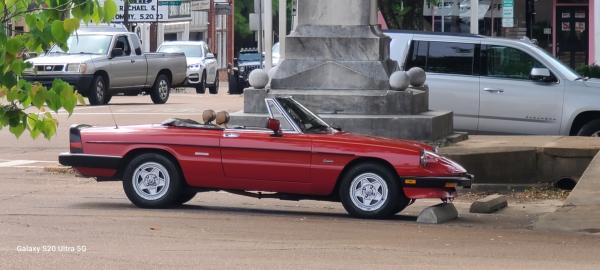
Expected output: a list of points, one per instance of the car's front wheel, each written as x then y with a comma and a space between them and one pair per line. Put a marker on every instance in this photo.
214, 88
370, 190
152, 181
591, 129
201, 87
161, 90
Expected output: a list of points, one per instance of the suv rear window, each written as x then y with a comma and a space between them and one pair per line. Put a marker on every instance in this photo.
442, 57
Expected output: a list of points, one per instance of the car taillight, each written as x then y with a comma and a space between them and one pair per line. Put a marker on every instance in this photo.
75, 143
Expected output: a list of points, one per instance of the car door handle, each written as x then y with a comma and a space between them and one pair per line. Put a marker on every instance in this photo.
231, 135
494, 90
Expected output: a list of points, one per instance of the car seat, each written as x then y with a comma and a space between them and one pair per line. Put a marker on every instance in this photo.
208, 116
222, 119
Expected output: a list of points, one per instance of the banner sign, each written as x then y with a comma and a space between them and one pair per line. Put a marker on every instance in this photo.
141, 11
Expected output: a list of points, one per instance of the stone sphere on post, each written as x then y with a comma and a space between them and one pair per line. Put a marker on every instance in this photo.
258, 79
417, 76
399, 81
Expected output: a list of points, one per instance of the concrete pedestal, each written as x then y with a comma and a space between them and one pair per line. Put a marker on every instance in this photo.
337, 64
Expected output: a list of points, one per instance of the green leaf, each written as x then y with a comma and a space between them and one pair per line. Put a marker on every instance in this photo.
48, 127
71, 25
110, 10
38, 94
80, 99
53, 100
58, 31
17, 130
32, 122
68, 99
13, 45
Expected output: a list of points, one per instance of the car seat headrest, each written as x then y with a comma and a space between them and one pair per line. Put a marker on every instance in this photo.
208, 116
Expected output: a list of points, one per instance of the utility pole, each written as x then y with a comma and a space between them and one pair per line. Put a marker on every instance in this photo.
126, 13
282, 28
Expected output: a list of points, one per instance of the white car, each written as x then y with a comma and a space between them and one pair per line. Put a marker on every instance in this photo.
202, 69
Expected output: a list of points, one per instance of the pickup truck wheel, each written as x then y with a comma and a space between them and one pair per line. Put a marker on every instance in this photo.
370, 190
214, 88
591, 129
152, 181
98, 94
161, 90
201, 88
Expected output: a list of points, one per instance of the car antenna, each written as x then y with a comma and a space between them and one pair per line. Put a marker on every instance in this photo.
113, 117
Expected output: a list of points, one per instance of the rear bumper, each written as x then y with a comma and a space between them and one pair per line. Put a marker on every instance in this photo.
89, 161
81, 82
464, 181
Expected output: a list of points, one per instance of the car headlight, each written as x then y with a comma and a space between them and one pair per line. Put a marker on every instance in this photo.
428, 157
194, 66
81, 68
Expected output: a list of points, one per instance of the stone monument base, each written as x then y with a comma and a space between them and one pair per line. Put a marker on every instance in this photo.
392, 114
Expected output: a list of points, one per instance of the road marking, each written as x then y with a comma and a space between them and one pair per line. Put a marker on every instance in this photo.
22, 163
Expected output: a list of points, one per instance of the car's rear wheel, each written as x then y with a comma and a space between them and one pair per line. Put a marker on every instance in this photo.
201, 87
161, 90
370, 190
214, 88
98, 93
591, 129
152, 181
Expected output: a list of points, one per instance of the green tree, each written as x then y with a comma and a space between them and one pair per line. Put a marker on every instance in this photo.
401, 14
28, 106
244, 37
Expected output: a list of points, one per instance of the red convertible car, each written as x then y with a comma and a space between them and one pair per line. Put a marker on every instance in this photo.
295, 156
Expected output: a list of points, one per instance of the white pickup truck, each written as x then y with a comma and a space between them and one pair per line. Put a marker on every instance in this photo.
100, 64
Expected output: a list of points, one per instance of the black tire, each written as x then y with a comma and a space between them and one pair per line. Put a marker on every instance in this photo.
98, 92
167, 174
201, 88
159, 94
107, 98
214, 88
590, 129
185, 196
233, 85
391, 201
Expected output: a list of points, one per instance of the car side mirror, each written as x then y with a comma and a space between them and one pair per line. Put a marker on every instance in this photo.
116, 52
274, 125
540, 74
210, 56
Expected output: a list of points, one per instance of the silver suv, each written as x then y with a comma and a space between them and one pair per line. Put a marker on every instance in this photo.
501, 86
202, 67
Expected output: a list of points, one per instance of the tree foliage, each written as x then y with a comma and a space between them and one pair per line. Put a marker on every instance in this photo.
25, 105
244, 37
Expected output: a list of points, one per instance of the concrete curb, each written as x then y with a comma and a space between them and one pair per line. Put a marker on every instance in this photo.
489, 204
438, 214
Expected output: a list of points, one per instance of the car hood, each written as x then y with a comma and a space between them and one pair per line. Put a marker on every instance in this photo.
374, 141
194, 60
63, 58
592, 83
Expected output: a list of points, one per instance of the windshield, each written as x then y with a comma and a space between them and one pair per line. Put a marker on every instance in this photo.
249, 57
303, 117
85, 44
188, 50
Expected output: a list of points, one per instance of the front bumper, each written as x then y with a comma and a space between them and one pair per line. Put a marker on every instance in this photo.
89, 161
81, 82
464, 181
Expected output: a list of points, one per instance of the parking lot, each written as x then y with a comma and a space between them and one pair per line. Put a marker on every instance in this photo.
51, 219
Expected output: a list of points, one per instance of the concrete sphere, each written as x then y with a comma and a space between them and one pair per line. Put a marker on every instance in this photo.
399, 81
417, 76
258, 79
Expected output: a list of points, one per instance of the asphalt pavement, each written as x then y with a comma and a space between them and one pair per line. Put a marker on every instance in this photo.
60, 221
